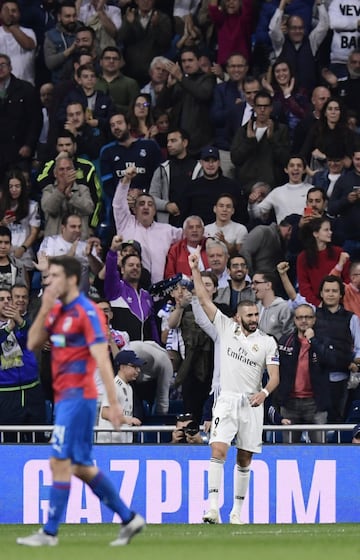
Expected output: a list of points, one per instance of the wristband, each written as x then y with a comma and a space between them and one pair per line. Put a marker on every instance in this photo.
263, 390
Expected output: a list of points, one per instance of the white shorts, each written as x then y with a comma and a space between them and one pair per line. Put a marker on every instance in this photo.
233, 417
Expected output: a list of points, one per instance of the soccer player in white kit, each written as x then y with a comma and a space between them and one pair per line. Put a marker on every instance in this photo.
238, 413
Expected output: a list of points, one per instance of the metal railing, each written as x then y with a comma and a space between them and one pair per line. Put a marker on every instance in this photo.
331, 433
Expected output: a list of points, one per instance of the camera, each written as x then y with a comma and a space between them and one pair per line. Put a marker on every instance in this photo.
191, 429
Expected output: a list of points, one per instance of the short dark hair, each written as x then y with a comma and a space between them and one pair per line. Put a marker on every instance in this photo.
5, 232
86, 28
226, 195
332, 278
183, 133
71, 266
317, 189
263, 93
236, 256
66, 134
65, 218
111, 49
66, 4
193, 50
127, 257
245, 303
90, 67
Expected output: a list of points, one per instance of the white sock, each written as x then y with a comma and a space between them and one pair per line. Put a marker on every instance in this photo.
215, 477
241, 485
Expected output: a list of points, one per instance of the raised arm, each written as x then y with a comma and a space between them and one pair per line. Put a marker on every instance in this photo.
200, 290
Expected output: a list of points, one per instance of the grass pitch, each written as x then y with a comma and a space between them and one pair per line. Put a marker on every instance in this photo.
192, 542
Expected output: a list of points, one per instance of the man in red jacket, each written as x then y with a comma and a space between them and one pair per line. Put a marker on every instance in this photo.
177, 258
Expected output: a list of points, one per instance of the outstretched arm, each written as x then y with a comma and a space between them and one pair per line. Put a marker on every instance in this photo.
204, 298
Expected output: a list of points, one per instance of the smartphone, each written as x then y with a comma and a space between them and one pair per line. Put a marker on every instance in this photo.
10, 214
356, 188
307, 211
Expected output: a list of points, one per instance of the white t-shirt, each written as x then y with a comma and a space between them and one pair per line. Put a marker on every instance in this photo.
243, 358
22, 60
233, 231
124, 395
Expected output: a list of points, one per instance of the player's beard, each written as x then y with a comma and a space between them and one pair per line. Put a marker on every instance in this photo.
249, 327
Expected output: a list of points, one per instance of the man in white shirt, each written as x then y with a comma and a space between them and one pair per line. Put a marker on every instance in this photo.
286, 199
224, 229
19, 43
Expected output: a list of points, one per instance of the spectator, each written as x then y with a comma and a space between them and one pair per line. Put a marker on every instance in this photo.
21, 216
331, 129
227, 95
356, 434
85, 172
243, 111
317, 259
68, 242
345, 202
98, 105
337, 338
12, 271
327, 178
345, 35
188, 93
195, 372
89, 140
20, 119
140, 117
218, 255
238, 288
177, 258
127, 366
233, 23
18, 42
202, 193
155, 238
158, 79
21, 395
266, 245
351, 299
66, 196
297, 47
319, 97
348, 87
303, 391
224, 229
290, 101
104, 19
132, 306
59, 44
260, 149
171, 177
145, 33
46, 97
156, 368
112, 81
275, 316
187, 430
286, 199
123, 152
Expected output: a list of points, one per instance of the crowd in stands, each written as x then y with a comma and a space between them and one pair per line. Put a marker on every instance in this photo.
134, 131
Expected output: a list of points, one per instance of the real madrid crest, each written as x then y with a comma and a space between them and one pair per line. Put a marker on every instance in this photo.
255, 348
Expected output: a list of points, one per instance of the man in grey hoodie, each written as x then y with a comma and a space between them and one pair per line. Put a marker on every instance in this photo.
275, 315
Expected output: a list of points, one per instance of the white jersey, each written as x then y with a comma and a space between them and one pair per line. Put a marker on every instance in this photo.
124, 396
243, 358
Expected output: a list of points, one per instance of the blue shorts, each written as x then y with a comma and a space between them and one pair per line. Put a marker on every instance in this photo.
73, 433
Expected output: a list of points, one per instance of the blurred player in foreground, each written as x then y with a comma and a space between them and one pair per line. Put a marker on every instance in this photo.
77, 332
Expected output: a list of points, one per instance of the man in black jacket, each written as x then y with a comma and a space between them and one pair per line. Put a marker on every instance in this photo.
20, 119
303, 392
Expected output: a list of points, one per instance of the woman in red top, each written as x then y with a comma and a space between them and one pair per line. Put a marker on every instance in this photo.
317, 259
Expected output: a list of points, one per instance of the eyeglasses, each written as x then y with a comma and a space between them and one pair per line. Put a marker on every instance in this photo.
3, 64
304, 317
235, 265
255, 282
146, 104
184, 417
5, 299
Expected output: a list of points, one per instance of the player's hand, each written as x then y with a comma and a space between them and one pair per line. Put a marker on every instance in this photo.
257, 399
49, 297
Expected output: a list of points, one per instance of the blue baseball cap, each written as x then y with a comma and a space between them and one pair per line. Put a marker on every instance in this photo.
126, 357
209, 152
